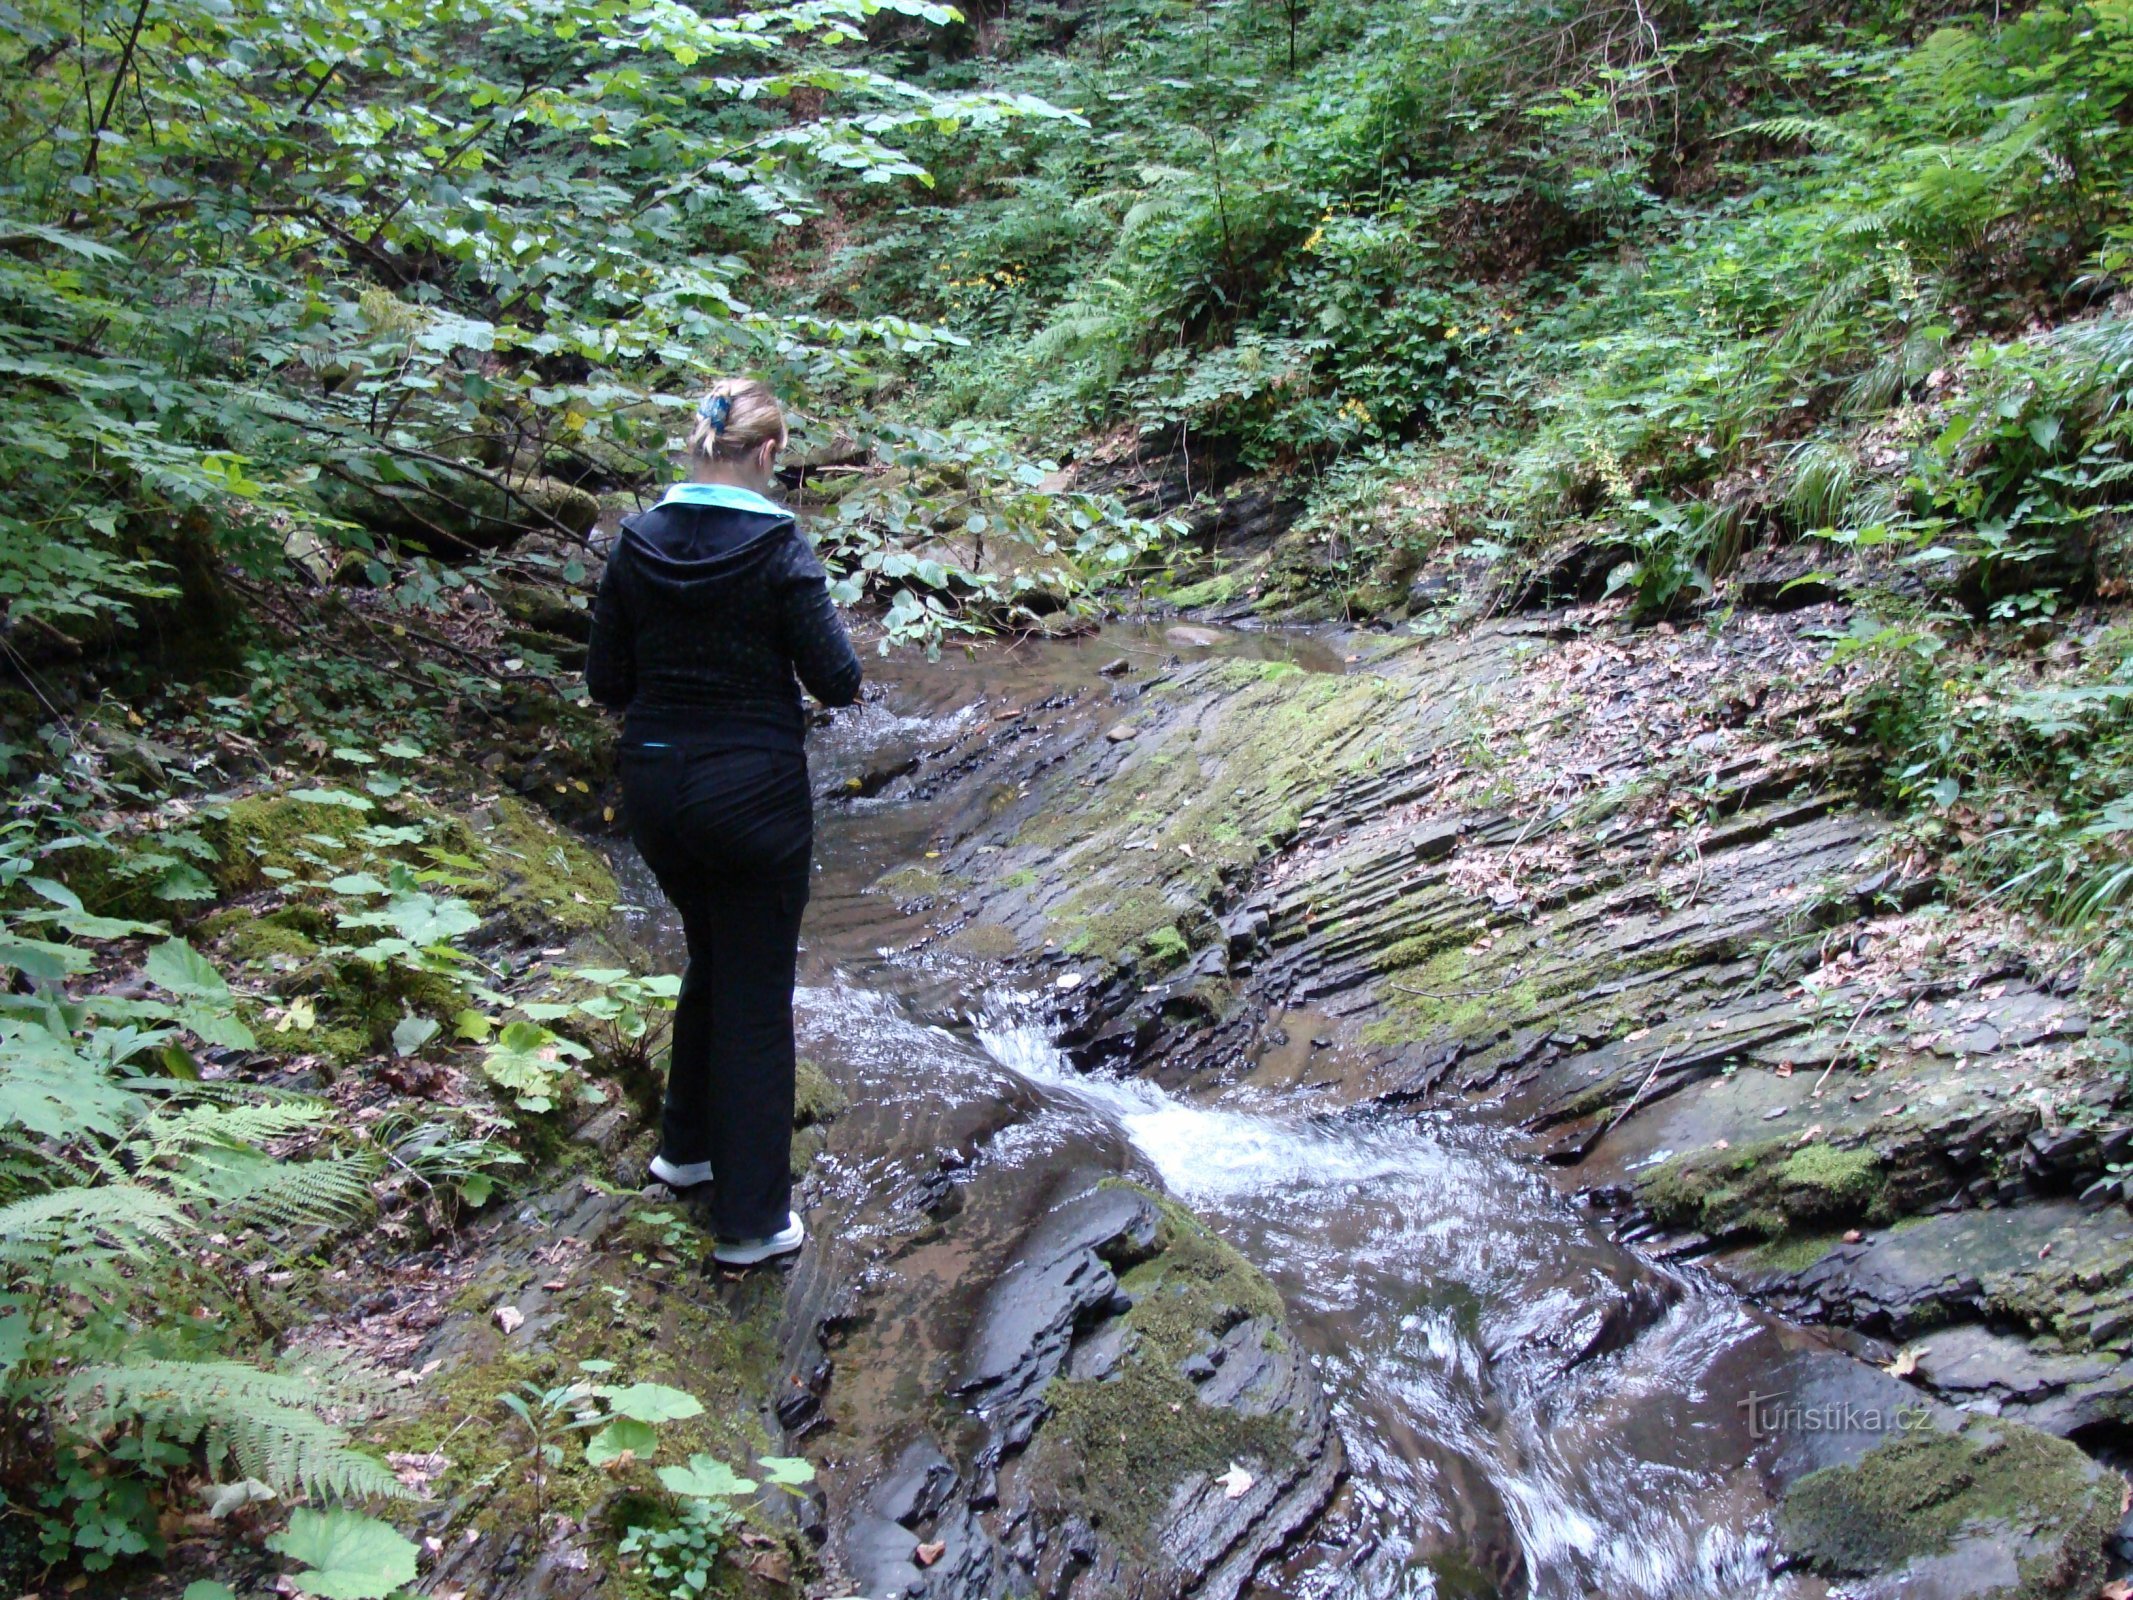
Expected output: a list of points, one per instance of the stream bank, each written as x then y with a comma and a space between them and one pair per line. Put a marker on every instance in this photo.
1548, 898
1255, 1062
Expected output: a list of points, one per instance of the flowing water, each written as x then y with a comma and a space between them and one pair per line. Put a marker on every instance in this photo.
1526, 1407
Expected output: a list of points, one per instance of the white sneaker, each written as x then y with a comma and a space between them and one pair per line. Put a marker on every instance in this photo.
747, 1252
674, 1177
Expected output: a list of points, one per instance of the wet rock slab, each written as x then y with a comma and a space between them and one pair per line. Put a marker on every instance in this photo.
1666, 938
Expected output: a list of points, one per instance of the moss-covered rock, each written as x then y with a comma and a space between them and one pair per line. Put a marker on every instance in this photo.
539, 876
1113, 1445
1994, 1490
272, 837
1768, 1188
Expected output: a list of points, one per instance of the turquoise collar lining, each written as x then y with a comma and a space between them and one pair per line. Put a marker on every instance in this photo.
724, 496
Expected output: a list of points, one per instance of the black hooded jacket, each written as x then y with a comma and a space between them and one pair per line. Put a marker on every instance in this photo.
704, 615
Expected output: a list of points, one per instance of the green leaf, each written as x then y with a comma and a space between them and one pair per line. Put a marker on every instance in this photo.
58, 893
217, 1026
86, 926
787, 1471
349, 1556
207, 1589
402, 748
475, 1189
411, 1033
332, 797
41, 960
705, 1478
623, 1436
651, 1402
183, 881
178, 967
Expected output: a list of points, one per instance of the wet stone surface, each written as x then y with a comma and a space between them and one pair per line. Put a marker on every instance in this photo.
1365, 1134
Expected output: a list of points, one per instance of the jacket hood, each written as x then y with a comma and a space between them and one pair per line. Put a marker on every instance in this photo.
704, 532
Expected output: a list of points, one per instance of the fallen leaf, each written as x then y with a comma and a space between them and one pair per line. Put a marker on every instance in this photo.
1235, 1482
774, 1566
926, 1554
2041, 1254
1784, 1069
510, 1318
1853, 1236
1721, 1144
1906, 1361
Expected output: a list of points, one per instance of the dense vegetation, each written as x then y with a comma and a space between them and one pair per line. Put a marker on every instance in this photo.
328, 323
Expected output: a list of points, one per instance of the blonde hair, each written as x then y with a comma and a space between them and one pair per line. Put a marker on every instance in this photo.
735, 418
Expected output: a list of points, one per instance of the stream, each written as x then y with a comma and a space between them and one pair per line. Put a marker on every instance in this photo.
1526, 1407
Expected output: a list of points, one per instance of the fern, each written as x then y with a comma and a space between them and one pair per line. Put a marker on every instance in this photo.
127, 1216
267, 1424
1817, 133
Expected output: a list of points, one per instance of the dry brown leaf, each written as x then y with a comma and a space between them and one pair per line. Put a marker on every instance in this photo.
1853, 1236
510, 1318
1784, 1069
773, 1566
1906, 1361
926, 1554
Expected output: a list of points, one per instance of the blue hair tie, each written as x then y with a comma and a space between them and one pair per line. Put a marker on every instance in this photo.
715, 409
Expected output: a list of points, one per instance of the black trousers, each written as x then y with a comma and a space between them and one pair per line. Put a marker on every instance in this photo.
729, 835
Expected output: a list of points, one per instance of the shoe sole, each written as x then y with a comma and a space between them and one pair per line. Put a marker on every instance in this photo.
755, 1256
679, 1182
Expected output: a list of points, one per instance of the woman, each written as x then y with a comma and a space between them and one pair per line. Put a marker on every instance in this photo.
711, 601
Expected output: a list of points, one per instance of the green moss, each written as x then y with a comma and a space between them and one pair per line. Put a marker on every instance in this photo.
1432, 985
541, 877
815, 1098
1113, 1447
1917, 1495
1795, 1254
1830, 1179
1106, 923
1769, 1188
1166, 947
988, 941
1022, 878
145, 877
817, 1102
912, 882
264, 837
656, 1329
1216, 591
357, 1005
282, 941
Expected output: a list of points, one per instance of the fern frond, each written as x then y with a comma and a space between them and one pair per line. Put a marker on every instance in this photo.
267, 1423
126, 1215
1817, 133
324, 1191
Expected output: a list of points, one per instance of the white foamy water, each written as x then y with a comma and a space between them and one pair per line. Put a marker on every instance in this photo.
1445, 1287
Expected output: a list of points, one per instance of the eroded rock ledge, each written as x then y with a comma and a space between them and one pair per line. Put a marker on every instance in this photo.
1618, 890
